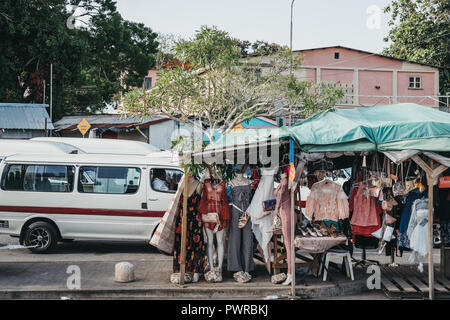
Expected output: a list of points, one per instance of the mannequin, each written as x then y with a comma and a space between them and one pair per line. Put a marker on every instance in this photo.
240, 246
283, 208
195, 245
215, 199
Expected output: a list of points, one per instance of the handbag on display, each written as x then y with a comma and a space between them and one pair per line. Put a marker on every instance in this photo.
399, 188
376, 174
210, 217
386, 181
410, 184
269, 205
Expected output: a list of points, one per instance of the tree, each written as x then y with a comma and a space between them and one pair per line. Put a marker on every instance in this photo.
166, 43
102, 56
420, 31
222, 89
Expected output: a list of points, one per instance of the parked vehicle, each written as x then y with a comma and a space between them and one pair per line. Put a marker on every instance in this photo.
13, 146
49, 198
105, 146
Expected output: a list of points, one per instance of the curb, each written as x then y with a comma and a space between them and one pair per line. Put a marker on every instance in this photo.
174, 292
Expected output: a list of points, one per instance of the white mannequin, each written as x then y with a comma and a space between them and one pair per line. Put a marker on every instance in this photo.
220, 236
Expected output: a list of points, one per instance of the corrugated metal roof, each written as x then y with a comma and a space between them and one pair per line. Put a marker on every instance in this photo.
102, 120
24, 116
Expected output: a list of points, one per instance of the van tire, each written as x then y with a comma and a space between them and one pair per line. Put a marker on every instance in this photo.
43, 234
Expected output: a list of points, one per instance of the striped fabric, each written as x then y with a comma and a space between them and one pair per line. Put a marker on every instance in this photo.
164, 236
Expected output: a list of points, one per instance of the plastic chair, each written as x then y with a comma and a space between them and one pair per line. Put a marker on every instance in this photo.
346, 259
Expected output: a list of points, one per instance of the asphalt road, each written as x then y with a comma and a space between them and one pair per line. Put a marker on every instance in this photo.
84, 250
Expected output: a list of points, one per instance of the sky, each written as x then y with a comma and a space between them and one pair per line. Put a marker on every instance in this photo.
359, 24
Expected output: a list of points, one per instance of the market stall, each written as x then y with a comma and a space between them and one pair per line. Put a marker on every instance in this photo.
391, 133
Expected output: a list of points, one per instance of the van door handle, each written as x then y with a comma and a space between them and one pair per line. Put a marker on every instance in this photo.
144, 205
152, 199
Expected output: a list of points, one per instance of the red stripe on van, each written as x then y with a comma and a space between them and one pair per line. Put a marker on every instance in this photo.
82, 211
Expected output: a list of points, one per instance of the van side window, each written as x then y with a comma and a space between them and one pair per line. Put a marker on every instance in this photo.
38, 178
110, 180
165, 180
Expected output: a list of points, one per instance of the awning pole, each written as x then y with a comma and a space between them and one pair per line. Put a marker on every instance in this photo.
183, 229
292, 257
430, 234
293, 187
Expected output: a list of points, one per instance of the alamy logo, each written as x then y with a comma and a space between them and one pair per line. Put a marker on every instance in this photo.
374, 281
74, 280
374, 20
70, 23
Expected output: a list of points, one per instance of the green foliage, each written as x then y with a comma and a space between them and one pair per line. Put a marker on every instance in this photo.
92, 63
420, 31
213, 84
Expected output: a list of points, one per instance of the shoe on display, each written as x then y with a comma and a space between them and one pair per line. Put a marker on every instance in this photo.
196, 277
247, 276
278, 278
288, 280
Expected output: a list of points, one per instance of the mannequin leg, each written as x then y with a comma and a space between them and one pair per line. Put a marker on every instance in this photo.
210, 235
286, 229
220, 236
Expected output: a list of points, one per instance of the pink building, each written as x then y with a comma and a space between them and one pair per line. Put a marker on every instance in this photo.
371, 79
150, 79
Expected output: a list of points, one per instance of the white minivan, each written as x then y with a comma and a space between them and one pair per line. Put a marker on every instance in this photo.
49, 198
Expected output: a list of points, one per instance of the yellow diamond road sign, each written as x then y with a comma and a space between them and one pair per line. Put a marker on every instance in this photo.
84, 126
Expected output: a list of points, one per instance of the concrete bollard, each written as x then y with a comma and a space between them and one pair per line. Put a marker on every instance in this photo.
124, 272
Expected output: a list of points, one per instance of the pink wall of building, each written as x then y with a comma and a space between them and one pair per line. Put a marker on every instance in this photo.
336, 76
369, 81
373, 79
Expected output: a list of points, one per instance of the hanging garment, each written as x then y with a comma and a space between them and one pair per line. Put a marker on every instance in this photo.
195, 245
327, 201
356, 205
283, 206
215, 199
164, 236
418, 227
261, 226
403, 240
240, 241
364, 209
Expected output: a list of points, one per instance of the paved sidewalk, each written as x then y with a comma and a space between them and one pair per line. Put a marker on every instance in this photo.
48, 280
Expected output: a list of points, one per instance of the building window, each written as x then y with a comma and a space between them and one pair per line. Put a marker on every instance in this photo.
336, 55
38, 178
110, 180
415, 83
165, 180
148, 83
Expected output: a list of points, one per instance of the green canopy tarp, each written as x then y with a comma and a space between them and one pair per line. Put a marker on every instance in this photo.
249, 136
404, 126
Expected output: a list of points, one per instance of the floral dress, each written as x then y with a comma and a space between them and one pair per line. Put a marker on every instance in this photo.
195, 245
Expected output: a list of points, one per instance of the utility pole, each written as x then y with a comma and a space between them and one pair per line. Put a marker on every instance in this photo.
51, 96
290, 107
43, 94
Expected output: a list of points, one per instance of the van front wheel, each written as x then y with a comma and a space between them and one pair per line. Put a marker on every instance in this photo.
40, 236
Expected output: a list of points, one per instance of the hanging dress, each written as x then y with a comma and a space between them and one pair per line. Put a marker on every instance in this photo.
195, 245
418, 227
215, 199
261, 226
